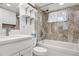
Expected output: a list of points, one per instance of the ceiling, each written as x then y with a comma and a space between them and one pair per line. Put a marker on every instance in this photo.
54, 6
43, 6
14, 7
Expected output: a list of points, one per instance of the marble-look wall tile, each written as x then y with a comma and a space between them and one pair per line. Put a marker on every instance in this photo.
67, 31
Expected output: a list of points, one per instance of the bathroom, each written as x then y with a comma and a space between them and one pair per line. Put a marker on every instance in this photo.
39, 29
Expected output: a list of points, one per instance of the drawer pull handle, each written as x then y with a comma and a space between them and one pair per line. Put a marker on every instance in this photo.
21, 55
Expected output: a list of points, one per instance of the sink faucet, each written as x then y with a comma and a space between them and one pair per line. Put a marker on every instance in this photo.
7, 31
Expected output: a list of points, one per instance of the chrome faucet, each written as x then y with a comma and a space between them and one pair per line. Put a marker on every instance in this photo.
7, 31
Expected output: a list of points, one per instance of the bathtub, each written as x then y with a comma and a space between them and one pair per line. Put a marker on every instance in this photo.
58, 48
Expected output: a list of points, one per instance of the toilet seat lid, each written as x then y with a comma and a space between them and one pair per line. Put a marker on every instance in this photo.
40, 49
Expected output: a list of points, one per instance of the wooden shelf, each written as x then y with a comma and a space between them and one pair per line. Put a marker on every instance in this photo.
11, 26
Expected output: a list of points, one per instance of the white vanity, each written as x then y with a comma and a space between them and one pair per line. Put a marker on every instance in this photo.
20, 45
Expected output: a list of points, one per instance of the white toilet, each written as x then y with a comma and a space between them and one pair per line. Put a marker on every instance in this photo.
39, 51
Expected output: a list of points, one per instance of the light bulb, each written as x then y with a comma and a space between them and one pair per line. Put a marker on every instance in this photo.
61, 3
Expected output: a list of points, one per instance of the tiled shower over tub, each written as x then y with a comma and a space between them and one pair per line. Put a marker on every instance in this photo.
67, 31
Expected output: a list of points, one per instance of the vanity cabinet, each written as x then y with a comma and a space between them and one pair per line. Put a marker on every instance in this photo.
7, 17
17, 48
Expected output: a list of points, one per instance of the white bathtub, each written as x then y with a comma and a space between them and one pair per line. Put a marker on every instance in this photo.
58, 48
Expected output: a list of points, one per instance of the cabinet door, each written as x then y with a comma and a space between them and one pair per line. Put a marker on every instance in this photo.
1, 15
27, 51
12, 18
7, 17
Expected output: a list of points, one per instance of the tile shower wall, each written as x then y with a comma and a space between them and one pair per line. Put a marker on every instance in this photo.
67, 31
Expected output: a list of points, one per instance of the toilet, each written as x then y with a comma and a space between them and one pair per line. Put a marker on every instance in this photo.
39, 51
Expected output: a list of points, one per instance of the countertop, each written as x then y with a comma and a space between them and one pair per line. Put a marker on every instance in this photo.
10, 39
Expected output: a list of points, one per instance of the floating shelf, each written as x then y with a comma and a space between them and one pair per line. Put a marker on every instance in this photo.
28, 16
32, 17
